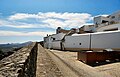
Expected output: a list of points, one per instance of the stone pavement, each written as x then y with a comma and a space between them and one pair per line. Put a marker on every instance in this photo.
45, 65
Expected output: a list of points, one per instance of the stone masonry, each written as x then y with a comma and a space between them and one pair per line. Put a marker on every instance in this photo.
21, 63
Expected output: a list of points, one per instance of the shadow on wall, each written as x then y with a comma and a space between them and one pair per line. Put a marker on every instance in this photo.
29, 69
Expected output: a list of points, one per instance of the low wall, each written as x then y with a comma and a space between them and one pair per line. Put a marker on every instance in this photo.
21, 63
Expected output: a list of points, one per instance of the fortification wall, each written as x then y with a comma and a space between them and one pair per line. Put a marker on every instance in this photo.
21, 63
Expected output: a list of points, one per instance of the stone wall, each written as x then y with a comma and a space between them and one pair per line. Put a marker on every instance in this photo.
21, 63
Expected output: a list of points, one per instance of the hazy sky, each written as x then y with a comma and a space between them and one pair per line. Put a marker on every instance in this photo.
31, 20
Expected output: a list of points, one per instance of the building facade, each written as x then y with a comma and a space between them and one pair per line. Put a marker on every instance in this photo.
104, 34
107, 23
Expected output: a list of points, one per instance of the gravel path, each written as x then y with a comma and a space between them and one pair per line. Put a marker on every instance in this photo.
54, 63
45, 65
80, 68
66, 70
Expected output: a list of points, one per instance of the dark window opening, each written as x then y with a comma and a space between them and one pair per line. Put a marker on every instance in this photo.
104, 21
53, 38
111, 29
96, 23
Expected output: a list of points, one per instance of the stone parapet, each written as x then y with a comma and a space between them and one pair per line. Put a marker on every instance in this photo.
21, 63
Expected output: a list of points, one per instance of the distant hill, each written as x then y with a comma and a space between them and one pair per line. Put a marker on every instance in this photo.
10, 47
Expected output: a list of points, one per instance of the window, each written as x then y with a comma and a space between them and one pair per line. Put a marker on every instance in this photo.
96, 23
53, 38
111, 29
104, 21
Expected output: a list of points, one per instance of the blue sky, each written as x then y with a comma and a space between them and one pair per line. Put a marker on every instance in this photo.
31, 20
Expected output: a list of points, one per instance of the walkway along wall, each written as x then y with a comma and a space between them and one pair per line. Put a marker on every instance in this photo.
21, 63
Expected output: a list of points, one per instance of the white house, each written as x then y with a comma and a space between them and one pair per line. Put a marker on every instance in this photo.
111, 27
89, 28
115, 17
51, 40
87, 41
107, 23
101, 21
106, 35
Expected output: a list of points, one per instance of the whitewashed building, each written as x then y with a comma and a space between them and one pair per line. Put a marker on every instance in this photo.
53, 40
88, 28
107, 23
87, 41
93, 41
104, 34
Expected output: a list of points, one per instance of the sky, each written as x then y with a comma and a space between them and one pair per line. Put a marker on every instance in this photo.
31, 20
